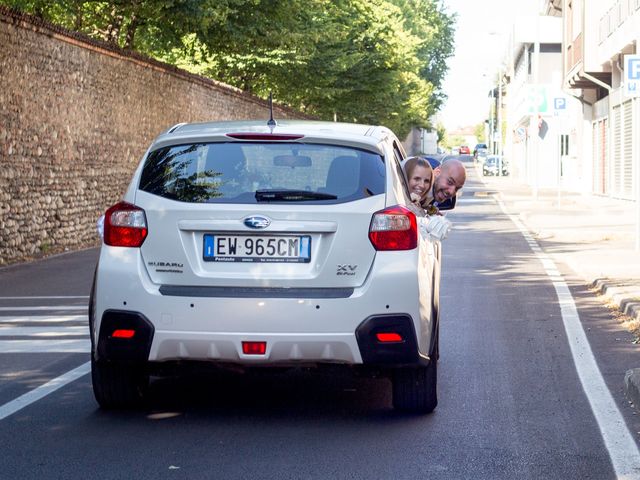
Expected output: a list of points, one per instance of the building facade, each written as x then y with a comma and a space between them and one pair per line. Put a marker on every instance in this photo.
565, 105
597, 38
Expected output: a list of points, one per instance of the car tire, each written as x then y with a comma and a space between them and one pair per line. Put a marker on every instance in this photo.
118, 386
415, 388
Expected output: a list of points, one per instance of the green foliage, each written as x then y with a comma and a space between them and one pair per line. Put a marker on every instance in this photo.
368, 61
457, 140
442, 132
478, 131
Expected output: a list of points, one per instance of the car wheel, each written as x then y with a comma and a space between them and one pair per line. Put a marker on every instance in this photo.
414, 389
118, 386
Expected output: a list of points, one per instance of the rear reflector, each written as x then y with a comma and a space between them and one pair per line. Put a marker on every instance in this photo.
264, 136
389, 337
254, 348
394, 228
125, 225
122, 333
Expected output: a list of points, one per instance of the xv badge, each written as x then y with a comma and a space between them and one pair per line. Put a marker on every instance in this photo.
345, 269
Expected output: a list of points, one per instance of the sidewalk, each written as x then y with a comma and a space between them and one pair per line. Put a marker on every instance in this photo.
593, 235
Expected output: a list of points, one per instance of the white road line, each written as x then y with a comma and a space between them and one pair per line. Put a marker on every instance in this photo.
474, 200
48, 307
45, 346
43, 390
619, 442
44, 319
44, 298
44, 331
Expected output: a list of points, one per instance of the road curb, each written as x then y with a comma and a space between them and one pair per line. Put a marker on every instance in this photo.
632, 386
623, 293
626, 296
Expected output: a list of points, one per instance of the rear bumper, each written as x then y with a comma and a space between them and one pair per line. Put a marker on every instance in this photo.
131, 349
361, 347
297, 329
403, 351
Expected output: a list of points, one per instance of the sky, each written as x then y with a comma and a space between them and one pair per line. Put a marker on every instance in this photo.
482, 34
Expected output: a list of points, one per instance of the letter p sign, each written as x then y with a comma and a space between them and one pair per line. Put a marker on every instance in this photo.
632, 75
633, 68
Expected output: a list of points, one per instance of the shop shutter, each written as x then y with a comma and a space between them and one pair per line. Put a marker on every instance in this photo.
616, 161
604, 154
595, 158
627, 158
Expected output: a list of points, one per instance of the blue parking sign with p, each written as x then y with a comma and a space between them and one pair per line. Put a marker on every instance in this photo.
633, 68
632, 75
559, 103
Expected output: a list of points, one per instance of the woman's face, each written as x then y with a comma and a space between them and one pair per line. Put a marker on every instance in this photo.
420, 181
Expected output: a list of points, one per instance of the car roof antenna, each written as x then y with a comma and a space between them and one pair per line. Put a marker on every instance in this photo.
271, 123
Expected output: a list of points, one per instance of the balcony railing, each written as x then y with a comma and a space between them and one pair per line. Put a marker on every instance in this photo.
574, 53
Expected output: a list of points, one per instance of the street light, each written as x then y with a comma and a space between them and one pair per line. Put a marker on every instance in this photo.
535, 67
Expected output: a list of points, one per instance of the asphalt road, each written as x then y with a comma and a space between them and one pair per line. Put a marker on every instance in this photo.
511, 403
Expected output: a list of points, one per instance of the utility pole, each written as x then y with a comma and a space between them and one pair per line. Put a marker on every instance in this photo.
499, 121
535, 68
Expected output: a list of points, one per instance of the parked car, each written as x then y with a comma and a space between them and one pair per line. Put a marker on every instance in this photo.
492, 165
504, 167
464, 150
243, 245
481, 156
480, 147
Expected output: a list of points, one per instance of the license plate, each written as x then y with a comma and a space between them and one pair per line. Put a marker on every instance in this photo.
257, 248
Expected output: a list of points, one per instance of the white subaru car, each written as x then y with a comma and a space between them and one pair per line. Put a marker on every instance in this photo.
244, 244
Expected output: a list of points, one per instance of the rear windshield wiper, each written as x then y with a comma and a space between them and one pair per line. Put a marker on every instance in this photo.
291, 195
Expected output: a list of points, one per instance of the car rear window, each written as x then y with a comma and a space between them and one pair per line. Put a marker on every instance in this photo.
252, 172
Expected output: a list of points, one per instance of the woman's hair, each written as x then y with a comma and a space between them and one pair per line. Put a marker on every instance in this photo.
412, 162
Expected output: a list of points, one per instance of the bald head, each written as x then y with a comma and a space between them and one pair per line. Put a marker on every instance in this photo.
449, 180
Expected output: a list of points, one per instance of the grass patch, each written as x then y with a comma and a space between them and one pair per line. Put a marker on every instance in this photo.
628, 322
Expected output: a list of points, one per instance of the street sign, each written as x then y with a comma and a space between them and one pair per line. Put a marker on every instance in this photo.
538, 99
560, 106
632, 75
559, 103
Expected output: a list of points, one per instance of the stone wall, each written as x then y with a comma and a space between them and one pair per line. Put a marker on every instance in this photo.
76, 116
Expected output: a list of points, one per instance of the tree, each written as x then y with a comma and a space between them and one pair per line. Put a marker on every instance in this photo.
428, 20
441, 131
368, 61
478, 131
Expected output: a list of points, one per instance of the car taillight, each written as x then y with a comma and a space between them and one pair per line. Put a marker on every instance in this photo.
125, 225
394, 228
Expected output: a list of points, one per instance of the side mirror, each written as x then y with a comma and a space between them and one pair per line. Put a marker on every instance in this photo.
448, 204
292, 161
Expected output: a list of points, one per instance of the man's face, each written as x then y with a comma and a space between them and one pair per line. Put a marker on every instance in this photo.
447, 183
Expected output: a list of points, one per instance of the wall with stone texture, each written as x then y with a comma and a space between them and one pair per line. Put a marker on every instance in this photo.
76, 116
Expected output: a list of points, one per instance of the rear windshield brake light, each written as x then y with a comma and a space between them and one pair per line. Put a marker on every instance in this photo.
264, 136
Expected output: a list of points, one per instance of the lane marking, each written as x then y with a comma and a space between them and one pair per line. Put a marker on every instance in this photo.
45, 319
620, 444
43, 390
53, 308
73, 330
44, 298
45, 346
475, 200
